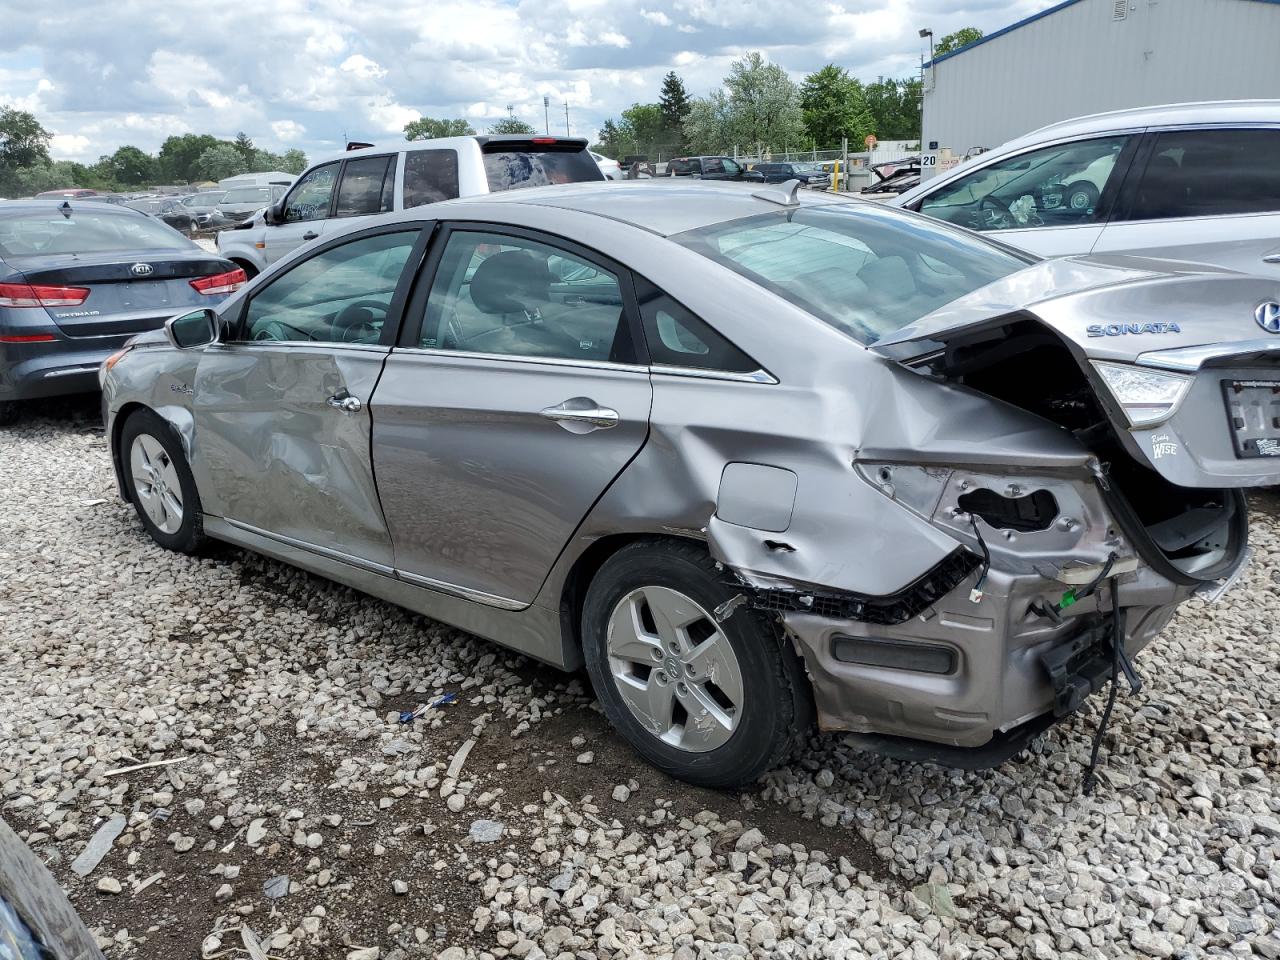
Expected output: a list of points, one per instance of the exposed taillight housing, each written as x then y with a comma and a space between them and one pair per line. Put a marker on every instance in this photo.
220, 283
37, 295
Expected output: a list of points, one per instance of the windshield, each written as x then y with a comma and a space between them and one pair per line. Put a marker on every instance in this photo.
511, 169
863, 269
27, 234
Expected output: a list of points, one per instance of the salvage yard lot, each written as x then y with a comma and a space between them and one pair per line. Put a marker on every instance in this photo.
280, 691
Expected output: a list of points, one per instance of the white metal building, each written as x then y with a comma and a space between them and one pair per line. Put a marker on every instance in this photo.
1087, 56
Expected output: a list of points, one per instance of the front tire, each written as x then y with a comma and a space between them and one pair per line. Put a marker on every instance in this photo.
712, 702
160, 484
10, 411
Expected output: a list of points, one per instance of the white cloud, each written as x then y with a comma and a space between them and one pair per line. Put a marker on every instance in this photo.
307, 72
288, 131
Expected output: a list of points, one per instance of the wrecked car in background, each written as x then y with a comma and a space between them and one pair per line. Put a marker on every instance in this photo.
750, 457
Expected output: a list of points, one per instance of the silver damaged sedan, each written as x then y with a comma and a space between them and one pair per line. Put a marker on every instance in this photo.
758, 460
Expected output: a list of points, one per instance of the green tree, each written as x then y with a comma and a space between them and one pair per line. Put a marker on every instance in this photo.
511, 124
245, 145
428, 128
895, 106
609, 141
293, 161
24, 144
834, 107
954, 41
674, 103
221, 161
759, 108
178, 156
708, 126
129, 166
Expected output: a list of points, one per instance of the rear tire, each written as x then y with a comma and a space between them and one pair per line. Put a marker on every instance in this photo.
159, 483
713, 703
250, 271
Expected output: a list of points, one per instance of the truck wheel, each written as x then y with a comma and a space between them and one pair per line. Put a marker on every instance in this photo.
715, 700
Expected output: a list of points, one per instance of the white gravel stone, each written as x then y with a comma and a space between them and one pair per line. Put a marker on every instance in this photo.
275, 688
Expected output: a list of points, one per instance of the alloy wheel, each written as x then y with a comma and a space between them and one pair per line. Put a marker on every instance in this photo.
156, 483
675, 669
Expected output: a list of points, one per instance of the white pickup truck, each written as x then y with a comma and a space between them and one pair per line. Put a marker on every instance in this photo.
368, 180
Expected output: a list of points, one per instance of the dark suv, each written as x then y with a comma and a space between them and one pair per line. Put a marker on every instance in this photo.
707, 168
810, 174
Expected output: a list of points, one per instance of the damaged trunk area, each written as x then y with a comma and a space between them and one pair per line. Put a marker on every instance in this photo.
1189, 535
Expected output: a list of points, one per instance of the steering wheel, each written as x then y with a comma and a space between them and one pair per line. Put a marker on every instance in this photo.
994, 214
350, 328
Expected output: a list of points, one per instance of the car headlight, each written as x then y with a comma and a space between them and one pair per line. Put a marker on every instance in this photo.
1147, 396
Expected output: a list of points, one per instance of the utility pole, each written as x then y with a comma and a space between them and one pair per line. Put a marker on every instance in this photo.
546, 112
566, 118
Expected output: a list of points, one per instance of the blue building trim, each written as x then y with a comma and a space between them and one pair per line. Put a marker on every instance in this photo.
1048, 11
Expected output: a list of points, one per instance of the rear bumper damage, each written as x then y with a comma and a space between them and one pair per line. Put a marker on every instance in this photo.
970, 684
1001, 638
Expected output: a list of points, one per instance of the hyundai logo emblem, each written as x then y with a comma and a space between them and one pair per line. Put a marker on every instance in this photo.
145, 270
1268, 316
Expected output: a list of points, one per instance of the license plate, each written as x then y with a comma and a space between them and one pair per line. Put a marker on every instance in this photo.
144, 293
1253, 409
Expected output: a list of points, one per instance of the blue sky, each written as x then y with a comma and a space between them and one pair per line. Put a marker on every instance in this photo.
313, 73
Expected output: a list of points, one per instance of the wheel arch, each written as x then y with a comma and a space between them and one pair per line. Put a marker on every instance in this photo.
573, 590
179, 420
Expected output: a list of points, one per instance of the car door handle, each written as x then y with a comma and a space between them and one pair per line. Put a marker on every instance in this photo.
346, 403
1273, 258
582, 411
310, 235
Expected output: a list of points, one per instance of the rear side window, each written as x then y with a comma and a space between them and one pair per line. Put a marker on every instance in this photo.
430, 176
676, 337
29, 234
366, 186
510, 169
1203, 173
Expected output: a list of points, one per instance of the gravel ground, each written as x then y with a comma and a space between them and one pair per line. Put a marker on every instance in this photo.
301, 816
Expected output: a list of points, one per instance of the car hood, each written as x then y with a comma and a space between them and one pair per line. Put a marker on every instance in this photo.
1109, 307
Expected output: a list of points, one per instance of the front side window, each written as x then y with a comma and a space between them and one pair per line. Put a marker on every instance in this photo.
1051, 187
513, 296
342, 295
1203, 173
310, 197
430, 176
863, 269
361, 192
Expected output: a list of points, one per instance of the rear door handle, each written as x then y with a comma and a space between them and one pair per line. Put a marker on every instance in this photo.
310, 235
582, 415
346, 403
1273, 258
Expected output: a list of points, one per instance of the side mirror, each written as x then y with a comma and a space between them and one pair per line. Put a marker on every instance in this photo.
189, 330
275, 213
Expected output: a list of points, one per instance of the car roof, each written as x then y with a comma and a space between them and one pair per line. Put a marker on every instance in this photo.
1208, 111
662, 206
54, 204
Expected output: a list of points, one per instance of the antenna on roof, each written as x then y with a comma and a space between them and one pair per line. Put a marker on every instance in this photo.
783, 194
65, 209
